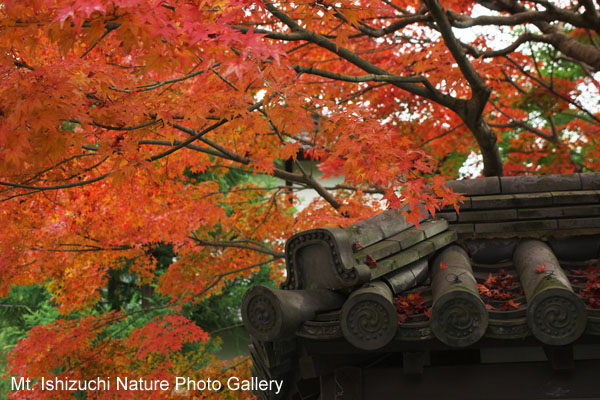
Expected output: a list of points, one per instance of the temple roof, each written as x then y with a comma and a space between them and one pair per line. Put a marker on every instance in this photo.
519, 260
527, 206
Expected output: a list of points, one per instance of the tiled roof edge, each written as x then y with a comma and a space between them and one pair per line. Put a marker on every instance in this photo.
526, 184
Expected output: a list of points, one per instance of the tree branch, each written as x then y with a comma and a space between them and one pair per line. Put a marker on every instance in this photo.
427, 91
203, 132
522, 17
441, 135
44, 188
242, 244
111, 26
363, 78
552, 90
478, 86
177, 142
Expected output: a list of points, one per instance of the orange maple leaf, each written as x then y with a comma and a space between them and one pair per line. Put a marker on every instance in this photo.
541, 269
513, 303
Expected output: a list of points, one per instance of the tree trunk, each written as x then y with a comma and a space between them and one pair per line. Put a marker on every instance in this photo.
487, 141
471, 113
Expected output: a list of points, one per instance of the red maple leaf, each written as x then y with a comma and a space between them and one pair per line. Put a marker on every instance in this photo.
371, 261
490, 280
483, 290
541, 269
410, 305
356, 246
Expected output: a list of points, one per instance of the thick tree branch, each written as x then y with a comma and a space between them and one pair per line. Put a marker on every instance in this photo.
471, 110
521, 17
571, 47
425, 90
478, 86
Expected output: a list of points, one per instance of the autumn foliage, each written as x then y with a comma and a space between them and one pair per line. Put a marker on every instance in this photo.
500, 291
129, 125
411, 305
587, 284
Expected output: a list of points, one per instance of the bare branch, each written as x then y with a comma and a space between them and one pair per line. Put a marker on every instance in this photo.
177, 142
65, 186
111, 26
552, 90
441, 135
66, 160
524, 38
237, 244
514, 123
363, 78
203, 132
290, 37
393, 27
121, 128
518, 18
356, 189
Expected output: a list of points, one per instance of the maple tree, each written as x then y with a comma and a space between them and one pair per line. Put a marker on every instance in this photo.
124, 123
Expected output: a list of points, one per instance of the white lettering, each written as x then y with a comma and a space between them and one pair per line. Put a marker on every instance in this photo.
233, 383
141, 384
21, 384
121, 385
279, 385
263, 385
179, 381
188, 384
